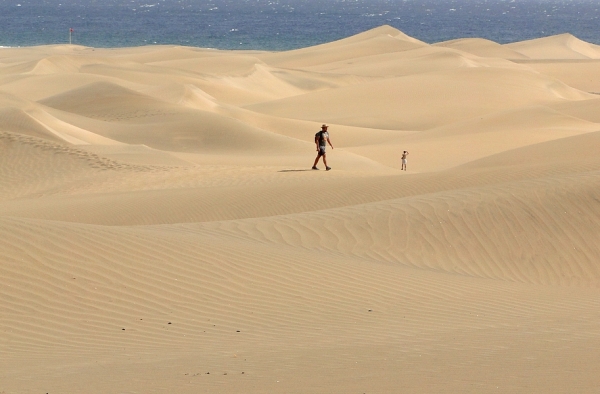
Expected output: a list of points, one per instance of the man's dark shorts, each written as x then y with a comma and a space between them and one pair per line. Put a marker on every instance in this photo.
321, 150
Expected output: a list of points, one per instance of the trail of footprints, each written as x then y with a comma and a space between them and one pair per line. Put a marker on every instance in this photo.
93, 160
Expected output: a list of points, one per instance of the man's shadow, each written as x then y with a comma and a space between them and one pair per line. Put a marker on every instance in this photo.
294, 170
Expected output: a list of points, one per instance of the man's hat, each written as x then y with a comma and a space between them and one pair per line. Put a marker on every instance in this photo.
324, 126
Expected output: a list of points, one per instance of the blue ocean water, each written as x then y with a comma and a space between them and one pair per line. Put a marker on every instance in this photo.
286, 24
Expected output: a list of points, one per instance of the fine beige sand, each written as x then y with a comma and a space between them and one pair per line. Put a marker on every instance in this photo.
161, 230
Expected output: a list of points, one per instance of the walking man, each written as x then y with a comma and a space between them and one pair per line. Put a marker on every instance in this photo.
404, 154
321, 141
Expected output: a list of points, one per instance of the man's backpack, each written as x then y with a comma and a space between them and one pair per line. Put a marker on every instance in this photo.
319, 138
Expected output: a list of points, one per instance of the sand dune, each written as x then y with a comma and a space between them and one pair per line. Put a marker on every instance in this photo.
562, 46
161, 229
100, 99
482, 47
423, 101
417, 61
213, 63
579, 73
384, 39
587, 110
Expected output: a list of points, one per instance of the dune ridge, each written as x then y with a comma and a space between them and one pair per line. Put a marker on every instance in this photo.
161, 229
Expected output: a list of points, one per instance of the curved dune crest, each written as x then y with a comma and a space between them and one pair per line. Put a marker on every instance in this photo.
562, 46
161, 228
68, 132
100, 98
17, 120
482, 47
380, 40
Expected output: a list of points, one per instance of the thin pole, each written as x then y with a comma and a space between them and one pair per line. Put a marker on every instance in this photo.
70, 34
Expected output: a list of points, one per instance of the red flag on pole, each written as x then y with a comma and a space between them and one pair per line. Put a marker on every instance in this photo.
71, 30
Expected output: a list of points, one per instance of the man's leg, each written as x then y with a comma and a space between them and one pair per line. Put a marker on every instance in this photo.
316, 160
325, 162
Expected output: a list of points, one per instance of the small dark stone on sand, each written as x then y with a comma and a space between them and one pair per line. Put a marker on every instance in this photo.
169, 323
370, 310
123, 329
238, 331
208, 373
